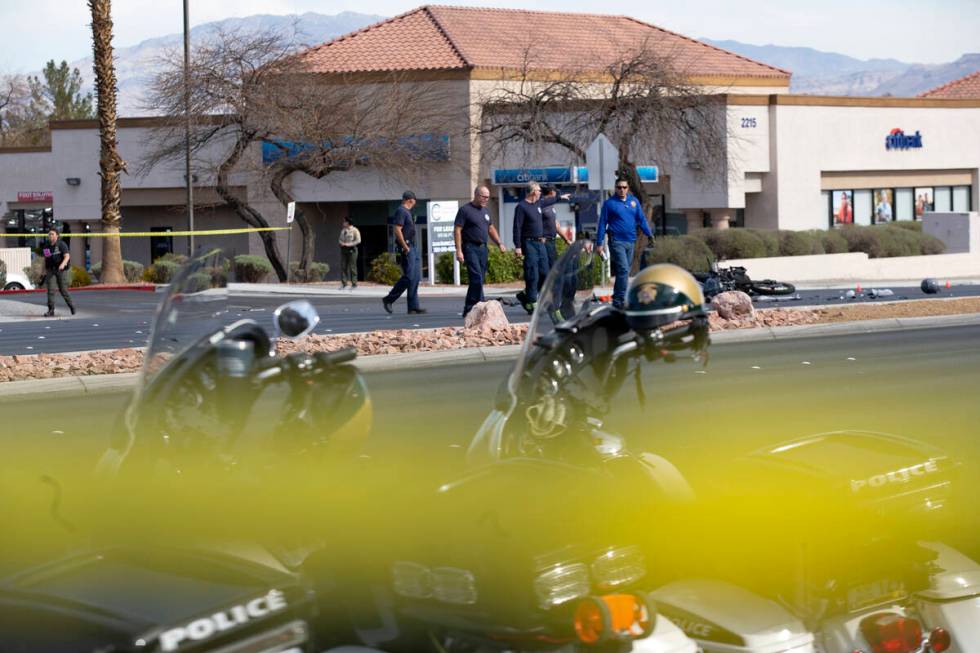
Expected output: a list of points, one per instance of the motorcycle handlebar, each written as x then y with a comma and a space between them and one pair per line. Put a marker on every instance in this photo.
338, 357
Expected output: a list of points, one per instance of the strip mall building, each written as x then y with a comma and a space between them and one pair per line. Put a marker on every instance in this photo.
793, 162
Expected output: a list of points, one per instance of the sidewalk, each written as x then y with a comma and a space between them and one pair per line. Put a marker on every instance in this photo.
14, 391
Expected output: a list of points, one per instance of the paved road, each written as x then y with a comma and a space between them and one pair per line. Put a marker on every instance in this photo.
921, 384
123, 319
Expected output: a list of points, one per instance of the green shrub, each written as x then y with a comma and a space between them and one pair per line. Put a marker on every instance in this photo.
769, 238
3, 274
862, 239
79, 277
444, 268
132, 270
160, 272
896, 241
799, 243
179, 259
502, 267
689, 252
733, 243
911, 225
384, 269
252, 269
315, 272
35, 271
929, 245
831, 239
199, 281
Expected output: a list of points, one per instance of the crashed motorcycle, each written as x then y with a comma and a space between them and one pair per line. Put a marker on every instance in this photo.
186, 541
721, 279
864, 583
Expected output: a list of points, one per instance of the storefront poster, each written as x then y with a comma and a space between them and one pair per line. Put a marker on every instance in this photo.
843, 208
441, 220
884, 205
923, 202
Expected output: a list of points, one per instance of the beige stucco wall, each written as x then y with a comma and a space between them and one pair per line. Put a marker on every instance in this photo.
25, 172
813, 140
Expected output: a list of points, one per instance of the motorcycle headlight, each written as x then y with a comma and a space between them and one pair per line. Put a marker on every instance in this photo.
618, 567
560, 584
412, 580
452, 585
447, 584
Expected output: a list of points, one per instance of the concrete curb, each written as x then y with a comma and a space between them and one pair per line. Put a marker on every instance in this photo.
75, 386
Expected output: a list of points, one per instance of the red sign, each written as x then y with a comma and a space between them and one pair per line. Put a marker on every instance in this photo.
35, 196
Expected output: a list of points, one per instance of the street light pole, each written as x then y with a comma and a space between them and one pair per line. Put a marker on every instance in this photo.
187, 131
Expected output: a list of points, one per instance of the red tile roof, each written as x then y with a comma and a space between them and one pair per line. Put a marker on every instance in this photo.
965, 88
440, 38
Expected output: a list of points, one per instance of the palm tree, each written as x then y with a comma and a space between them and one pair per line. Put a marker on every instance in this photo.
110, 163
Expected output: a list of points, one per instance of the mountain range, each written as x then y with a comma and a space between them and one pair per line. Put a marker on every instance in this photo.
136, 65
829, 73
814, 72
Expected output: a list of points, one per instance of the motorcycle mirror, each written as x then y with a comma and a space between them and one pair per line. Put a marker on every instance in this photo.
295, 319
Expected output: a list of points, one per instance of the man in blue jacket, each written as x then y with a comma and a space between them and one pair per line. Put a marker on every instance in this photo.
620, 217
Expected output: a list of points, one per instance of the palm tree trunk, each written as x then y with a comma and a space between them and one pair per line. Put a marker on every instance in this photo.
110, 163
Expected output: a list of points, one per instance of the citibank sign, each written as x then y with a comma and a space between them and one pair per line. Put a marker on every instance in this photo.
899, 140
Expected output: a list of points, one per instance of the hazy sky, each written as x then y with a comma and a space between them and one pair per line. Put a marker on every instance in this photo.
910, 30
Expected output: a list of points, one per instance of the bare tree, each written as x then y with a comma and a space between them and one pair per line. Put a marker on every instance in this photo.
644, 102
248, 90
19, 125
110, 163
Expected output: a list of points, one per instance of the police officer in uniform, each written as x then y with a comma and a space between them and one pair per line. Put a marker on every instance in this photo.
56, 259
530, 241
411, 259
471, 231
550, 227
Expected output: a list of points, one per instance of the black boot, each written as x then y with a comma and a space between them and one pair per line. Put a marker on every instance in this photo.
50, 313
71, 307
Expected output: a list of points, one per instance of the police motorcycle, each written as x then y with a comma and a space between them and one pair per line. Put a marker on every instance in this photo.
184, 541
863, 583
527, 553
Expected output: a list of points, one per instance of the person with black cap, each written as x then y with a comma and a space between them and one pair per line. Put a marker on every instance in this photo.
411, 259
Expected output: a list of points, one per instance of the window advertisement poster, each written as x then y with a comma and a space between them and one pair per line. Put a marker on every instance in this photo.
843, 207
923, 202
884, 205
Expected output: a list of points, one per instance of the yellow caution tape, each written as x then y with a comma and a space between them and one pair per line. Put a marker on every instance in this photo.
144, 234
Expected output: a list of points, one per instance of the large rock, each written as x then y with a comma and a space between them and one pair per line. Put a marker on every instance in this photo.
487, 316
732, 304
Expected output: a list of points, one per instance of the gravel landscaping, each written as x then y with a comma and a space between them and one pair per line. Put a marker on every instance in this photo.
490, 333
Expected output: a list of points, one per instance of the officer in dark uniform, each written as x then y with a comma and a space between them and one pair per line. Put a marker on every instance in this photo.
56, 259
411, 258
550, 227
471, 230
529, 243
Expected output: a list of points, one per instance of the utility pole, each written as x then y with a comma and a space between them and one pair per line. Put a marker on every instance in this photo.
187, 131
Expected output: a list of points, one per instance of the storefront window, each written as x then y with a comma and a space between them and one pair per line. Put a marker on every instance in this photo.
904, 204
843, 206
863, 209
884, 205
923, 202
961, 199
943, 199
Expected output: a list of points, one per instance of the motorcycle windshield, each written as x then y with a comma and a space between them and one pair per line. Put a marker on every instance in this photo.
195, 306
568, 291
